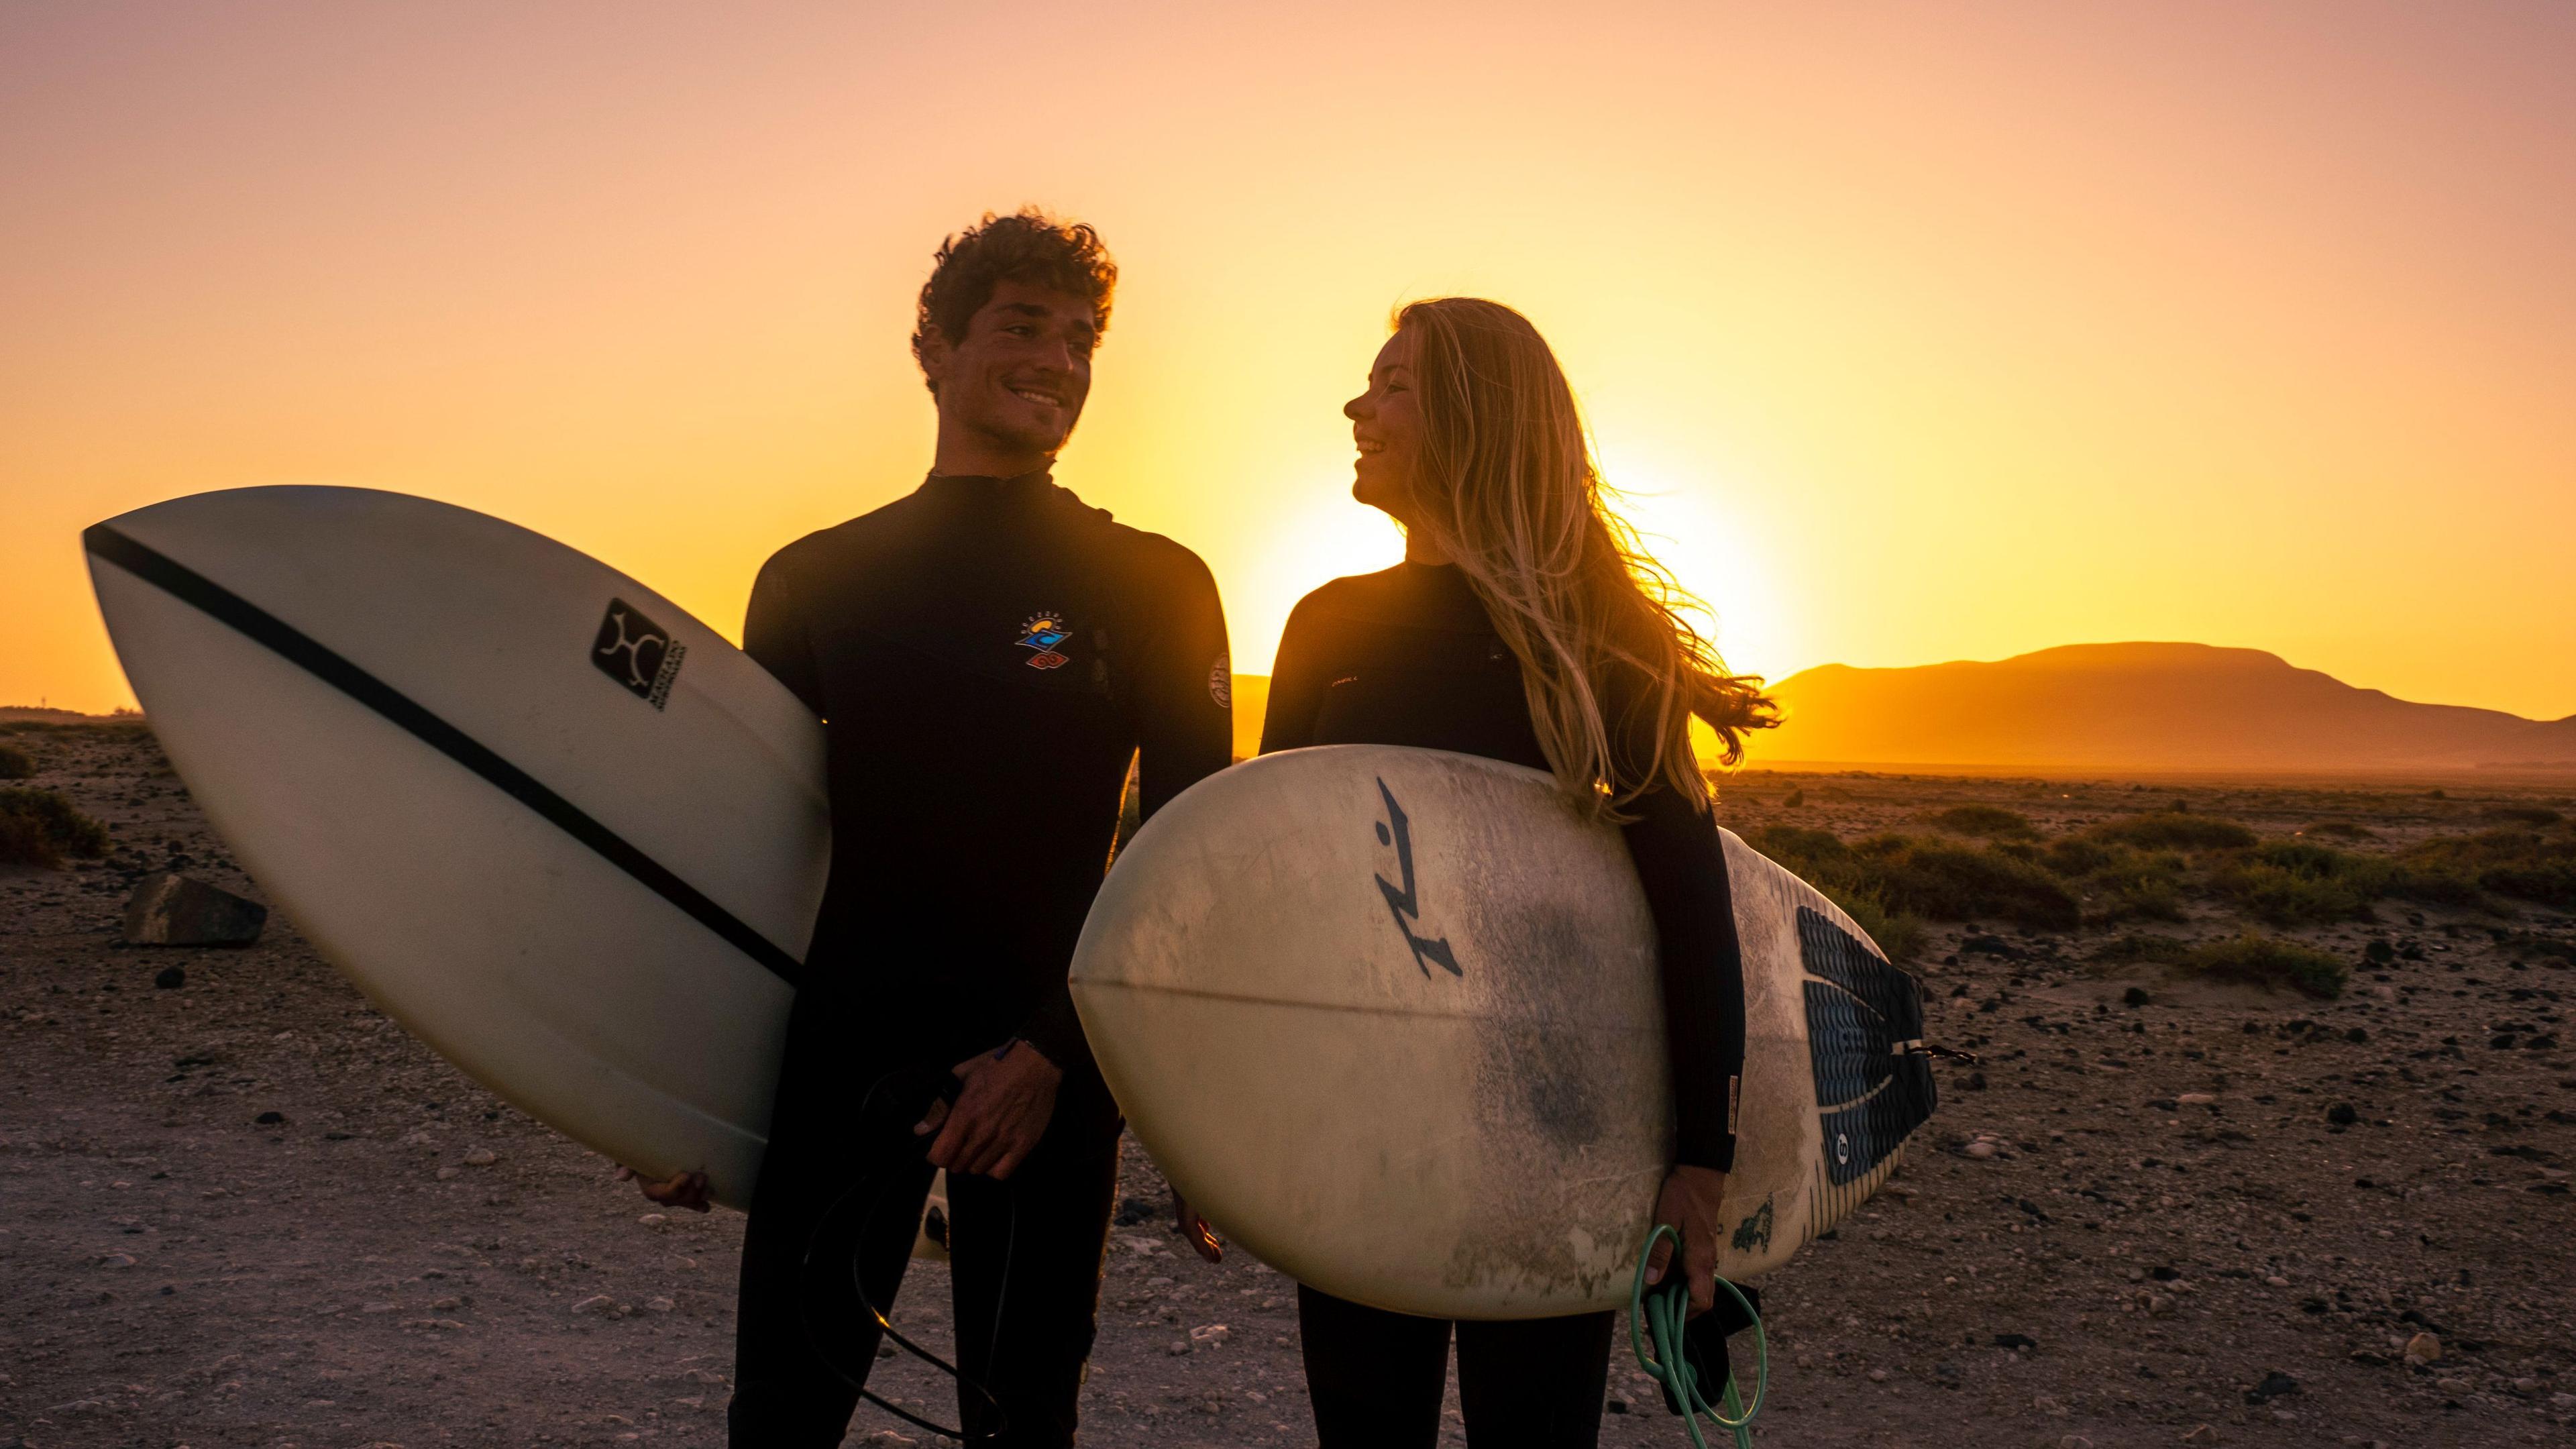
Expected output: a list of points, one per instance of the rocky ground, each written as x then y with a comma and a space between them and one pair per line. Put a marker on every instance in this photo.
248, 1210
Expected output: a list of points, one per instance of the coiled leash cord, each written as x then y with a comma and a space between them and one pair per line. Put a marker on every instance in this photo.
946, 1089
1656, 1318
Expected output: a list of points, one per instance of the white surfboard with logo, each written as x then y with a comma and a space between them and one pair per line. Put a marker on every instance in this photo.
1390, 1017
560, 829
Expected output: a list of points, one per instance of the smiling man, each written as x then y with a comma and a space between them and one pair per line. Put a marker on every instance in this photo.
988, 655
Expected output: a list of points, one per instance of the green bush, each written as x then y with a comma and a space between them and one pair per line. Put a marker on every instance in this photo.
2299, 882
2266, 961
40, 827
1820, 858
1991, 822
2533, 864
2115, 882
1941, 882
16, 764
2173, 830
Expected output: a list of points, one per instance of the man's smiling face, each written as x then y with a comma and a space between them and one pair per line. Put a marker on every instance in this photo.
1019, 376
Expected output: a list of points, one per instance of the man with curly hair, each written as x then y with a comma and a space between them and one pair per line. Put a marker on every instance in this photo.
988, 655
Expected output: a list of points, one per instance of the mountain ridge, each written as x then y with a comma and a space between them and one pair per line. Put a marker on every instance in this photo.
2142, 705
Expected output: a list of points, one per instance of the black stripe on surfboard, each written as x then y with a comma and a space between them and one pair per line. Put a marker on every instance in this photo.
190, 587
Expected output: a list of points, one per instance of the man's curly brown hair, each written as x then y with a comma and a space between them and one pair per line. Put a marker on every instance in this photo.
1026, 246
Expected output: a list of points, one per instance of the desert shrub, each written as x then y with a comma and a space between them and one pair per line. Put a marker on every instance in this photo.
2173, 830
2134, 946
1820, 858
1905, 876
1898, 934
2530, 863
2539, 945
16, 764
2523, 814
2115, 882
2267, 961
2080, 855
2338, 830
1991, 822
1953, 883
40, 827
2294, 882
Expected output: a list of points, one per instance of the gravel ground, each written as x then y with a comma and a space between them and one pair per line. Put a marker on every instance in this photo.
248, 1210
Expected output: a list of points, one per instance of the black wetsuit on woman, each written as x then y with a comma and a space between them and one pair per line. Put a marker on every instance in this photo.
987, 656
1409, 657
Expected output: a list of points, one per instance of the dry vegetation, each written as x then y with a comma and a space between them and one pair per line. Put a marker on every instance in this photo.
2185, 1185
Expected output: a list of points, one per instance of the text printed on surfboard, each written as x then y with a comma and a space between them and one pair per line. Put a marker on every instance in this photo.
1406, 904
637, 653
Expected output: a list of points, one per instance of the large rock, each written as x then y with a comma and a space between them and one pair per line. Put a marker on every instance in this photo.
172, 910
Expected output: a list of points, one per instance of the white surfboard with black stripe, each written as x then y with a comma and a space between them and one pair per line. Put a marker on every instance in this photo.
554, 825
1390, 1017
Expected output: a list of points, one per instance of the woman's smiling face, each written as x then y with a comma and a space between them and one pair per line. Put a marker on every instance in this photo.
1386, 423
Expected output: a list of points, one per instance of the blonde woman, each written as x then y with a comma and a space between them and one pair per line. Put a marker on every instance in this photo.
1523, 626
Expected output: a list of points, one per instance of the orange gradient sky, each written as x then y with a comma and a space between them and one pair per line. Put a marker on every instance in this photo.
1918, 331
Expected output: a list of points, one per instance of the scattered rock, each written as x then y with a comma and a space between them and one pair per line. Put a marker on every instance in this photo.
2274, 1385
1179, 1347
2342, 1115
2423, 1348
660, 1305
653, 1220
171, 978
481, 1157
2201, 1434
2195, 1099
173, 910
1979, 1150
1209, 1336
595, 1303
2134, 996
269, 1119
2015, 1340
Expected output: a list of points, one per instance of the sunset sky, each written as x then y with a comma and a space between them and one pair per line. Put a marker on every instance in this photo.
1915, 331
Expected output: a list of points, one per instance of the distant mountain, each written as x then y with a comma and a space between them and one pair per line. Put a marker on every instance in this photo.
2141, 706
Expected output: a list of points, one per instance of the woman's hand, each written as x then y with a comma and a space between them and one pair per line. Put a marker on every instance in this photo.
1689, 1204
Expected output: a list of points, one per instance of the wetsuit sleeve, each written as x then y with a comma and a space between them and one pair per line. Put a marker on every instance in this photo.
774, 634
1681, 863
1183, 692
1296, 683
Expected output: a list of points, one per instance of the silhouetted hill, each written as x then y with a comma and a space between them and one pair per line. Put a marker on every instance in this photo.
2141, 706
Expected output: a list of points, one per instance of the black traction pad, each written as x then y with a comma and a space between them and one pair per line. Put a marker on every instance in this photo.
1870, 1093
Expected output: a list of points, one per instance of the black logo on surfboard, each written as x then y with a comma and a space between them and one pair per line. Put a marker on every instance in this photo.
1397, 831
637, 653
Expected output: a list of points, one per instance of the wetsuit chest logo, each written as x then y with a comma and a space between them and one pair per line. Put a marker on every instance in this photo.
1406, 904
638, 653
1043, 631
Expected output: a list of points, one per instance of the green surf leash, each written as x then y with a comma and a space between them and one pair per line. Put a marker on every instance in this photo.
1655, 1321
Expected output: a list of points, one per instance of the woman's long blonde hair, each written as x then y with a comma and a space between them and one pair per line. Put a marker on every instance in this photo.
1507, 487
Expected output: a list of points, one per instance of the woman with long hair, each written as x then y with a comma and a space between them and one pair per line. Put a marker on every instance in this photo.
1524, 624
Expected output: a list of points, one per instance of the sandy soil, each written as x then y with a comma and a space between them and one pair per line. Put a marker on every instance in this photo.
251, 1211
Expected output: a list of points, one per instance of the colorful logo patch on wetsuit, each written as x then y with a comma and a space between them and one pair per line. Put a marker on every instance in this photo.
1042, 632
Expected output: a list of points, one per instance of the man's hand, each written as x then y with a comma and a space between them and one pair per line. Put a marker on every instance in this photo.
1689, 1204
687, 1190
1009, 1098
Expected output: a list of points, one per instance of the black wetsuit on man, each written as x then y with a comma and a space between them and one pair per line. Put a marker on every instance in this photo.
1408, 656
988, 655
